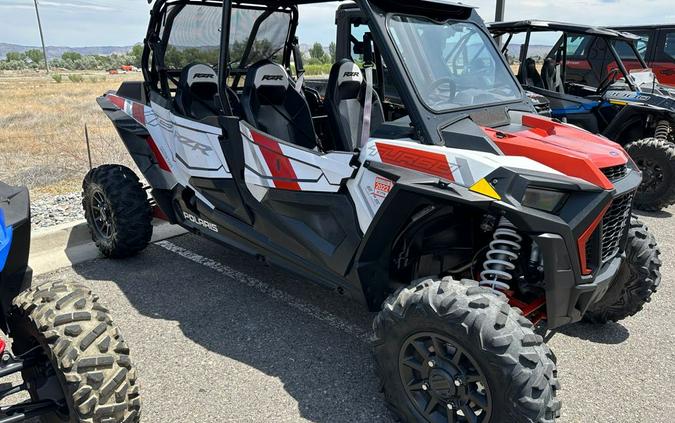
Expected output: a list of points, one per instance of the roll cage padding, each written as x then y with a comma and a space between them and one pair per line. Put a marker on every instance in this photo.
271, 104
345, 98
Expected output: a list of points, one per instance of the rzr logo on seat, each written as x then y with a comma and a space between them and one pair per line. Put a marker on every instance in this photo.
273, 78
201, 222
351, 74
204, 75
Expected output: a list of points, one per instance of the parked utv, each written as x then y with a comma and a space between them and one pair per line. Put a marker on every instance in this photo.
73, 360
458, 214
657, 47
587, 81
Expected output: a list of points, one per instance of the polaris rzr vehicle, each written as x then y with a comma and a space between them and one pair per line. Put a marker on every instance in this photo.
468, 222
588, 84
73, 362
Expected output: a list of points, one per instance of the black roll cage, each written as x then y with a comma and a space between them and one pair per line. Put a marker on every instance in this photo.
561, 45
156, 74
429, 124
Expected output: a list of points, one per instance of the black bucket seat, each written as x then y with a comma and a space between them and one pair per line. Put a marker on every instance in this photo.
271, 104
345, 100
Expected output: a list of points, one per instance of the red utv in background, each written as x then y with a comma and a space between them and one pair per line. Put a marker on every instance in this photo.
657, 48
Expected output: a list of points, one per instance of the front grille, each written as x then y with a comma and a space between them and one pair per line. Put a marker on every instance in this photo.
615, 173
613, 224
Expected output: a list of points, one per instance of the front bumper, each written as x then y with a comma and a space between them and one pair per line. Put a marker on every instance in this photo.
566, 300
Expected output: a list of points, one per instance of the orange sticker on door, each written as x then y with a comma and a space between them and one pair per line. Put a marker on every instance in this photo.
382, 187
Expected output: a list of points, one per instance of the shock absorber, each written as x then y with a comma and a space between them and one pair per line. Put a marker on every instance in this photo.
662, 131
503, 251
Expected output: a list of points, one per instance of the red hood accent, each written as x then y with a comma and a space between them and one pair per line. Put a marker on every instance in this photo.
565, 148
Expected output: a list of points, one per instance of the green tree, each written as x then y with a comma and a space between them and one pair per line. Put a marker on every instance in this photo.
316, 52
35, 55
71, 55
14, 56
332, 48
137, 54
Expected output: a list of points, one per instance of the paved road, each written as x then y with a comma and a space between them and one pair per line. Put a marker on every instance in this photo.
219, 337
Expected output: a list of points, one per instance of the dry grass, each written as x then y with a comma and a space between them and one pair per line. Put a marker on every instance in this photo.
42, 142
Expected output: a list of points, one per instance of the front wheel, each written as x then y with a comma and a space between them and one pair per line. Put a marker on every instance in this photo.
450, 351
81, 362
656, 160
638, 278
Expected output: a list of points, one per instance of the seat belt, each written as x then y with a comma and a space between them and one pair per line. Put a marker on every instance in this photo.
368, 100
299, 66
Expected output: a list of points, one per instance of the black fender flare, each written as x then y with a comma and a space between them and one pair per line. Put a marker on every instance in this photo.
631, 115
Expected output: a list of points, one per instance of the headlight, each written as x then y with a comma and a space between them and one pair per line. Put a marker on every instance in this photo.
543, 199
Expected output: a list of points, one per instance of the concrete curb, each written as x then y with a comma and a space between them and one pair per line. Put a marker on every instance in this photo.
70, 244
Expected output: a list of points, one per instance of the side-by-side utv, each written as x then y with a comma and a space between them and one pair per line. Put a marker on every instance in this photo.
470, 224
588, 84
73, 362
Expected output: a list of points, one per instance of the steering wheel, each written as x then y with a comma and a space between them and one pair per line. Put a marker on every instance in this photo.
442, 91
608, 81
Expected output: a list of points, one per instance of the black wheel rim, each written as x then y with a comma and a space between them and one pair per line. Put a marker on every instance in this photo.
443, 381
101, 215
43, 383
652, 175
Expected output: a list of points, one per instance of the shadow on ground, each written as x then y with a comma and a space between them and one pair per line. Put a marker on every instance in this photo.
663, 214
610, 333
327, 371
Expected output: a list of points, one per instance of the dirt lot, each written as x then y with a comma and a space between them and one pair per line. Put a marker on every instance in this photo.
42, 129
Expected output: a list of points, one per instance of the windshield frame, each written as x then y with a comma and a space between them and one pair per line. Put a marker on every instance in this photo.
490, 42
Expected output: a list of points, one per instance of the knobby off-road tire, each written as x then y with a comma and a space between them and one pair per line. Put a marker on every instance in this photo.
638, 278
656, 159
84, 348
117, 210
517, 366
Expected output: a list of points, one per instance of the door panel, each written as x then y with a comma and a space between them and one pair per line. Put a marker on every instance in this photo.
664, 57
297, 201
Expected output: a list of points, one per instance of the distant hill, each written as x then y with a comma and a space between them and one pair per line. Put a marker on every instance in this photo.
534, 50
54, 52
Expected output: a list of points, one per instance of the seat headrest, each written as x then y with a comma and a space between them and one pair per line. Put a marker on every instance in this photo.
198, 73
348, 78
350, 73
270, 80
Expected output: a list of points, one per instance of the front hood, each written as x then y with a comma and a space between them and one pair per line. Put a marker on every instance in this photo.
565, 148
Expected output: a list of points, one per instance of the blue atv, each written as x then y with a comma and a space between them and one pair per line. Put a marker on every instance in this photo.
73, 362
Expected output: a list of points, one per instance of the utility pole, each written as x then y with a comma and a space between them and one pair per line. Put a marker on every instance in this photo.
499, 13
42, 37
499, 16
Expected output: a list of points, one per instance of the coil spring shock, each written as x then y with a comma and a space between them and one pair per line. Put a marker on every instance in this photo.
504, 250
662, 131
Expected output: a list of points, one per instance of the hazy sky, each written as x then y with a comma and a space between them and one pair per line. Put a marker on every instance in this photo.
124, 22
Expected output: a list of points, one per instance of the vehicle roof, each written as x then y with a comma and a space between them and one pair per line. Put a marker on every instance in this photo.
647, 26
501, 28
293, 2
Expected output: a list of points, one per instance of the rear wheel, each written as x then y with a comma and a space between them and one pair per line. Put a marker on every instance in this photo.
117, 210
638, 278
449, 351
83, 362
656, 160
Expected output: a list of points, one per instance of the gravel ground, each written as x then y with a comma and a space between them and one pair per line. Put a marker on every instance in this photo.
55, 210
217, 336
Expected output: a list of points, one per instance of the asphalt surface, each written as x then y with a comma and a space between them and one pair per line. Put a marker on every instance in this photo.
220, 337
